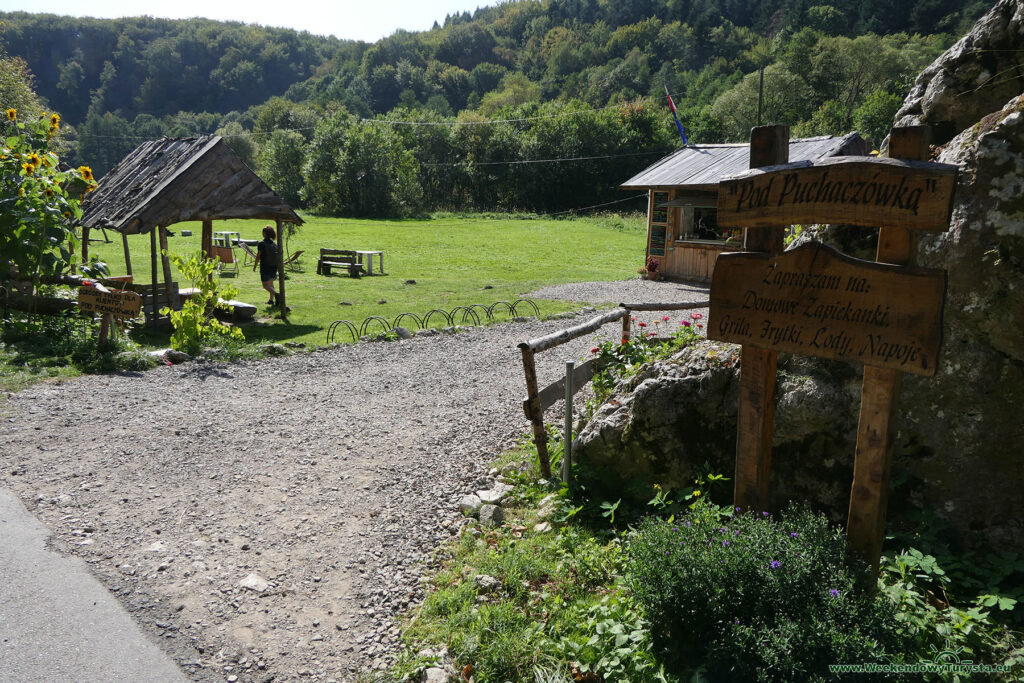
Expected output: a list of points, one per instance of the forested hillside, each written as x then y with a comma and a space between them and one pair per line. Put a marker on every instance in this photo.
409, 123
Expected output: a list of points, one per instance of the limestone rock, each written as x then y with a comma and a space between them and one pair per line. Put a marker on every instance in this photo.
436, 675
486, 583
254, 582
491, 515
968, 81
470, 505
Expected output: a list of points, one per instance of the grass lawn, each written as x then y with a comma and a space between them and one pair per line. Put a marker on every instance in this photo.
454, 261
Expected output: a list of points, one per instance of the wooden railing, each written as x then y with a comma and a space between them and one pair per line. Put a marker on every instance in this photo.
538, 400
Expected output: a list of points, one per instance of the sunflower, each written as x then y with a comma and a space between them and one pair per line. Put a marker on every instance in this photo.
55, 121
48, 192
86, 172
12, 114
34, 159
28, 168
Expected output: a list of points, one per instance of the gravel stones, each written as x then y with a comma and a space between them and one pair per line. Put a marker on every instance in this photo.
331, 474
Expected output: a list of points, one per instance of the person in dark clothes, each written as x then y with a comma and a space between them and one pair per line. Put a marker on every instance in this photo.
266, 261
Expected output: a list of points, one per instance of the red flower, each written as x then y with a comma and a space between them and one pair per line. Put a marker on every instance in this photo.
699, 326
651, 334
664, 318
696, 316
633, 318
625, 340
642, 324
684, 323
594, 350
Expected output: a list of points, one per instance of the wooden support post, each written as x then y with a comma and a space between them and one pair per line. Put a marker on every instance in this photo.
281, 302
869, 495
206, 241
626, 325
85, 244
127, 255
172, 298
769, 145
106, 323
540, 437
153, 261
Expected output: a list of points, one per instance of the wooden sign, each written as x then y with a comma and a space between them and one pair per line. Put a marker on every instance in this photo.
118, 302
818, 302
866, 191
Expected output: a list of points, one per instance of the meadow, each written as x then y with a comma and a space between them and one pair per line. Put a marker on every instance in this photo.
442, 262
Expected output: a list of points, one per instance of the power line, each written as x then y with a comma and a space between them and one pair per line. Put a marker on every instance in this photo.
541, 161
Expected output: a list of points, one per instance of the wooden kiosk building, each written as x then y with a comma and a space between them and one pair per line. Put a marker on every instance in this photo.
683, 233
167, 181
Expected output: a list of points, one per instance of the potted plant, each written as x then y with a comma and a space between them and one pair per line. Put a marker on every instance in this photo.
652, 269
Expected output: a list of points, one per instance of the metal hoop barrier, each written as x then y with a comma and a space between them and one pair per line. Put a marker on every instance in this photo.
536, 311
333, 329
419, 321
485, 309
444, 314
507, 305
467, 312
365, 327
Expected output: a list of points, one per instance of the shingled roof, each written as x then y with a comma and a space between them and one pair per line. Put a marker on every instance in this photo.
701, 167
167, 181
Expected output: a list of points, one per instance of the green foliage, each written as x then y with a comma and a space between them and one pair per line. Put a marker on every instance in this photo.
195, 325
753, 597
874, 117
622, 359
37, 200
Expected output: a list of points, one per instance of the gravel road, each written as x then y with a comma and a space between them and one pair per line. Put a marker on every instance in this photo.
267, 520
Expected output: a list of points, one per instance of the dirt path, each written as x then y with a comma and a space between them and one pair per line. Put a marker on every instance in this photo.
327, 476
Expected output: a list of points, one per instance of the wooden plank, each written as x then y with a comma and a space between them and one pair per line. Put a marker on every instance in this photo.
540, 437
865, 191
665, 307
755, 418
119, 302
818, 302
562, 336
869, 494
555, 391
172, 298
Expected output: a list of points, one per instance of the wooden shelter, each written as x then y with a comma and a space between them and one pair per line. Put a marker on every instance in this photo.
167, 181
683, 233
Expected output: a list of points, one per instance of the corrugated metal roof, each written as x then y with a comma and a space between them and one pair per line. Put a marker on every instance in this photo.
166, 181
703, 166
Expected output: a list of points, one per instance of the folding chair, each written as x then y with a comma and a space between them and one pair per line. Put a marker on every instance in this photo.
250, 255
291, 259
226, 258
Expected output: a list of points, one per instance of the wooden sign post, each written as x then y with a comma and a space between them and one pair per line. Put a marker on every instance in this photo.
110, 303
815, 301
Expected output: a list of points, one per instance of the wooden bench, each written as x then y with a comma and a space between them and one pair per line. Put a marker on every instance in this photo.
339, 258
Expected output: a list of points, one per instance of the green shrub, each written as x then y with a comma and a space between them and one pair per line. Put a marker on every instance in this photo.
752, 597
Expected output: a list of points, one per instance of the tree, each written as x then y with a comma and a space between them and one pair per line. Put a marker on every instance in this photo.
786, 98
360, 169
875, 117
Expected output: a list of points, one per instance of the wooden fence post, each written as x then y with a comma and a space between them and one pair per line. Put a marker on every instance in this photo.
540, 437
869, 494
769, 145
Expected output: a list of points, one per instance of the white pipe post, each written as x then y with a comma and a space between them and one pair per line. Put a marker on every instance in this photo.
570, 368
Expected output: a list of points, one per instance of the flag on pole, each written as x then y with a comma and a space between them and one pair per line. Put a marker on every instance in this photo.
679, 124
